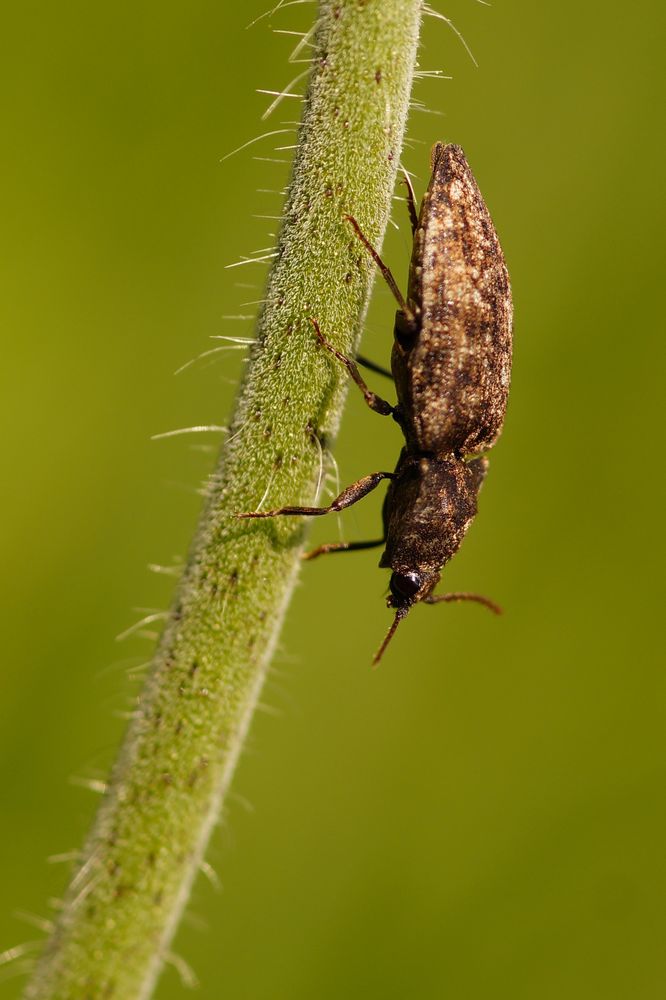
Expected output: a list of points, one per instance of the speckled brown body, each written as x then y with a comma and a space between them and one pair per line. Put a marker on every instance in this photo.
451, 365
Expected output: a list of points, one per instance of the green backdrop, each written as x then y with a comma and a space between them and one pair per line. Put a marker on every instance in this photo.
484, 815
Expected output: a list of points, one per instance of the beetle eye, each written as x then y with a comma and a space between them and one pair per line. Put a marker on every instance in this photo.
405, 584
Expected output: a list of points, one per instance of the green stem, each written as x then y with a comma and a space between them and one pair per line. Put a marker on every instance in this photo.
165, 794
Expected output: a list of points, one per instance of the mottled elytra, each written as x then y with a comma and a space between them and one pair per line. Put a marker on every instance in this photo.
451, 365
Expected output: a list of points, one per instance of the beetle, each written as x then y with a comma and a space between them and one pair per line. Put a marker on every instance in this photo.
451, 365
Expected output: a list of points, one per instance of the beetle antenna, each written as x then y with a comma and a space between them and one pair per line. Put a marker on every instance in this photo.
399, 615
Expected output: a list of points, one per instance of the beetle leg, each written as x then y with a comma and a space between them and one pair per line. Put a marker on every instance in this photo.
439, 598
323, 550
371, 366
350, 496
374, 401
386, 273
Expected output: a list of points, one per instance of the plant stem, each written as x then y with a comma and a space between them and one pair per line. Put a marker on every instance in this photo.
166, 791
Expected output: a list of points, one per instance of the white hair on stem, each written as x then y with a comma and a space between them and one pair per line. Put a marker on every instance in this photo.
95, 785
257, 138
305, 41
320, 475
175, 569
270, 710
431, 74
126, 715
66, 857
280, 95
334, 473
266, 491
252, 260
242, 341
135, 674
210, 875
431, 12
34, 920
274, 10
198, 429
155, 616
243, 802
269, 159
11, 957
207, 354
422, 107
186, 973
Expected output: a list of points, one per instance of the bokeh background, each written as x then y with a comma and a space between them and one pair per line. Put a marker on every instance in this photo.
484, 815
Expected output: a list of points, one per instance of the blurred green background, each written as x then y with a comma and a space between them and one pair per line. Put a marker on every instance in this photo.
484, 815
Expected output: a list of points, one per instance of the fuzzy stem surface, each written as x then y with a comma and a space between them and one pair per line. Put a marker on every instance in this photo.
168, 785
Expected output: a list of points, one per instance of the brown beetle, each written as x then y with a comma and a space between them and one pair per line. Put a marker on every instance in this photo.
451, 365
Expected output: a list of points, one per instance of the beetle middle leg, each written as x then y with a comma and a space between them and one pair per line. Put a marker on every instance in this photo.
373, 367
374, 401
349, 496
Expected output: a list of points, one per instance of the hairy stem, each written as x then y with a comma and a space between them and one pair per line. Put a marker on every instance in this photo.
165, 794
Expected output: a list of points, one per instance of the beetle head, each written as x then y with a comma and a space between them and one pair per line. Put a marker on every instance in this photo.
410, 587
407, 589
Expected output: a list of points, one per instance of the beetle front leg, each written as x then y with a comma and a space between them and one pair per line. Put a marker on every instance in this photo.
350, 496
